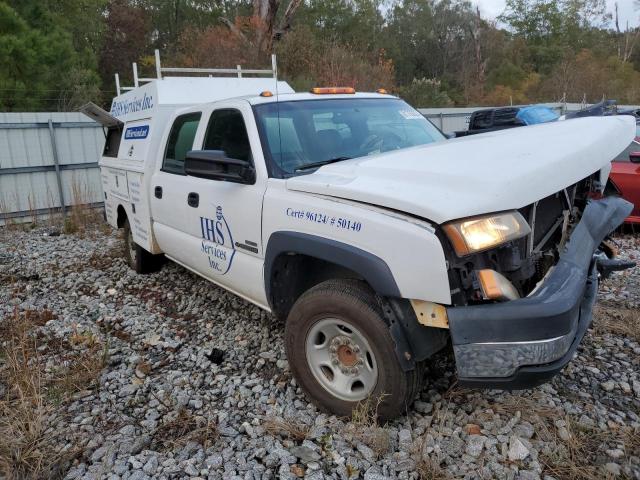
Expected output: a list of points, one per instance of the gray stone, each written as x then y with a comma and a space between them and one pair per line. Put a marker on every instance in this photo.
97, 455
613, 468
475, 444
138, 475
615, 453
423, 407
528, 475
368, 454
404, 440
608, 386
452, 446
305, 454
517, 449
214, 461
151, 465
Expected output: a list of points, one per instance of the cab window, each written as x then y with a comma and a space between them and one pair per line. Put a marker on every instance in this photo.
180, 142
227, 132
112, 142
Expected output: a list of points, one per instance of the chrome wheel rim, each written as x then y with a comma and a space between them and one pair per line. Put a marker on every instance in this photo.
341, 359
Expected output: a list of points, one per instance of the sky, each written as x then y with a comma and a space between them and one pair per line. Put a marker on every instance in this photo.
493, 8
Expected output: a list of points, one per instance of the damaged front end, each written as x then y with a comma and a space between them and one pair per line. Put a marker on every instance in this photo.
519, 325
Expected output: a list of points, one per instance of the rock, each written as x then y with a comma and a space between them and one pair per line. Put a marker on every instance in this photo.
608, 386
423, 407
214, 461
524, 430
563, 433
472, 429
452, 446
138, 475
517, 449
404, 440
528, 475
97, 455
475, 444
615, 453
151, 465
613, 468
297, 470
305, 454
366, 452
374, 474
190, 470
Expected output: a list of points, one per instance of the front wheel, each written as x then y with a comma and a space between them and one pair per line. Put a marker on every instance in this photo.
341, 351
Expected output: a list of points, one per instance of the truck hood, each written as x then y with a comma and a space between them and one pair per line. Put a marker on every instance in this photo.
478, 174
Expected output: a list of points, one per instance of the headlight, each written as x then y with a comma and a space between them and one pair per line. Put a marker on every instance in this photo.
481, 233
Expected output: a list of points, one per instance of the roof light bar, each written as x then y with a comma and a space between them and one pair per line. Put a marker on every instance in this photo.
332, 90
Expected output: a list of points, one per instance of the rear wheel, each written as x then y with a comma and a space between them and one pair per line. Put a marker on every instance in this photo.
341, 352
137, 257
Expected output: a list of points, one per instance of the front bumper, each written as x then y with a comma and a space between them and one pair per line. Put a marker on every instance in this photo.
522, 343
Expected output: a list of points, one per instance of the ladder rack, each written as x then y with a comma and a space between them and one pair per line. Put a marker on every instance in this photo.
239, 71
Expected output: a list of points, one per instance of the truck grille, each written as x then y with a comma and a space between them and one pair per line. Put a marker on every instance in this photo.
551, 220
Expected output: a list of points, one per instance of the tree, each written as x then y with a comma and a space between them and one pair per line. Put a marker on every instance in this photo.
127, 38
38, 60
264, 23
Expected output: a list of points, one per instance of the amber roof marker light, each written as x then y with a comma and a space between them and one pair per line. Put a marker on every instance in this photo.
266, 93
382, 91
332, 90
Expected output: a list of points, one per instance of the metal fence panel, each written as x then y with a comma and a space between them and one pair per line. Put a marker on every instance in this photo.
44, 156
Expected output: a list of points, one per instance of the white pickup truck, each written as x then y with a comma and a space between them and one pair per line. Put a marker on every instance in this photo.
377, 240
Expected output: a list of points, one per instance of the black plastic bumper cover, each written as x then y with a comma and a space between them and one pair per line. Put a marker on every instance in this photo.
558, 313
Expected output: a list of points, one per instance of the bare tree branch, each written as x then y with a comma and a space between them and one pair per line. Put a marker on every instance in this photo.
285, 24
235, 30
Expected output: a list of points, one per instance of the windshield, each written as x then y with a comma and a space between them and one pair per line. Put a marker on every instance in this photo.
300, 136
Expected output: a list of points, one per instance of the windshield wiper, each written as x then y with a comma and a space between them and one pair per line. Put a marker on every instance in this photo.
309, 166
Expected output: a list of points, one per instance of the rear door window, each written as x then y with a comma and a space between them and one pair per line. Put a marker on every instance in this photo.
181, 137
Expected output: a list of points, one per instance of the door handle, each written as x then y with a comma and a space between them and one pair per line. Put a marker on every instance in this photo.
158, 192
193, 199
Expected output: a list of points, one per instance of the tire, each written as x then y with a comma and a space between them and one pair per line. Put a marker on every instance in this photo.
341, 352
137, 257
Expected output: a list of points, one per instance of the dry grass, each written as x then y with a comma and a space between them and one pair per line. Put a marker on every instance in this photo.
364, 427
580, 456
429, 469
290, 428
184, 428
619, 321
81, 219
27, 448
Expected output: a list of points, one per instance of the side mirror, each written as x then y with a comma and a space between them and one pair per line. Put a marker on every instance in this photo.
634, 157
215, 165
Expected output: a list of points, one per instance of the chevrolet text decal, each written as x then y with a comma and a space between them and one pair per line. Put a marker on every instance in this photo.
217, 242
136, 133
131, 105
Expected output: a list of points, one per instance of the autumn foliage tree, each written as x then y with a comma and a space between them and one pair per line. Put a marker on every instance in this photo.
56, 54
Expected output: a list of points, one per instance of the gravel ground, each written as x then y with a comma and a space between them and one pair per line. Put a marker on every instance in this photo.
194, 383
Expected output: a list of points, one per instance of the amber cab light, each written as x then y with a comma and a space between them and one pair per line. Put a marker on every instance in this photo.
266, 93
382, 91
332, 90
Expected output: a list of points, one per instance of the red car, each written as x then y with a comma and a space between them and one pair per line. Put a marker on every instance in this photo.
625, 176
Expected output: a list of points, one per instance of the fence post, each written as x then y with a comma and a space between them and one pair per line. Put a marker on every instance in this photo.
441, 122
54, 149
